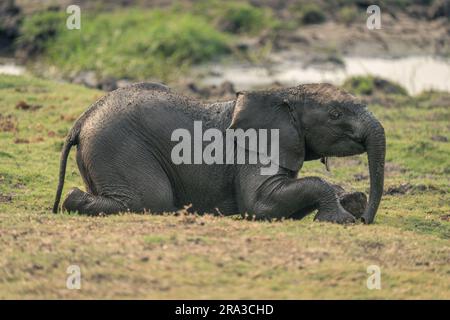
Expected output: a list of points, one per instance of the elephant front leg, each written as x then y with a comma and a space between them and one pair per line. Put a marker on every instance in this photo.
353, 202
287, 197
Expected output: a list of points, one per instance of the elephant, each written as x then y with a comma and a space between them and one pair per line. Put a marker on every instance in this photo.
124, 145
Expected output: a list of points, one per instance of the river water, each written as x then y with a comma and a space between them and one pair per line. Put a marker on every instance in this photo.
9, 67
415, 74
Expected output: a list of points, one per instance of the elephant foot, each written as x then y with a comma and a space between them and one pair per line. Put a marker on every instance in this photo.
337, 216
74, 199
354, 202
85, 203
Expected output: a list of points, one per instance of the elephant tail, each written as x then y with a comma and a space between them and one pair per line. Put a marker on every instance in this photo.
71, 140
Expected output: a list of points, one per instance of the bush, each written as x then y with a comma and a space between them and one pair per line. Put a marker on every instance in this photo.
237, 17
348, 14
369, 85
38, 29
312, 14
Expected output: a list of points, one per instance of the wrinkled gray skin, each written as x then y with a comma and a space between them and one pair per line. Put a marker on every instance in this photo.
124, 153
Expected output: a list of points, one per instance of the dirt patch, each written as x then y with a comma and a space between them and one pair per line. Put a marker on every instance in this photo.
8, 123
361, 176
5, 198
407, 188
68, 117
21, 141
37, 139
390, 167
225, 90
22, 105
439, 138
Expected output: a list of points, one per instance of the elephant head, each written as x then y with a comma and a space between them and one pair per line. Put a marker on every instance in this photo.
317, 121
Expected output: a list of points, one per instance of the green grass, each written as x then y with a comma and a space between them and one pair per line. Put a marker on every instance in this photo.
369, 85
237, 17
141, 44
125, 44
309, 13
179, 256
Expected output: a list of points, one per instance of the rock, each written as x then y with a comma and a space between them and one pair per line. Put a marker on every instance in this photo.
5, 198
10, 19
87, 78
439, 138
91, 80
223, 91
408, 188
245, 44
388, 87
123, 83
108, 84
439, 9
22, 105
324, 61
8, 123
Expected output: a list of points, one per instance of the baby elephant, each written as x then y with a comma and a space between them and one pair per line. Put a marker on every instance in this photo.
131, 159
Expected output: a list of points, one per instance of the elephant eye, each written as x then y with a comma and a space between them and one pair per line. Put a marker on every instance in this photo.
334, 114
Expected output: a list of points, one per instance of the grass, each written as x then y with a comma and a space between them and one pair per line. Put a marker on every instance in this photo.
180, 256
141, 44
369, 85
125, 44
309, 13
237, 17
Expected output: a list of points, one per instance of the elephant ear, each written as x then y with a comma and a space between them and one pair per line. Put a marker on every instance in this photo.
267, 110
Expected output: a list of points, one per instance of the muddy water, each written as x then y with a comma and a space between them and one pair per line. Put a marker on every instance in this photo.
7, 66
416, 74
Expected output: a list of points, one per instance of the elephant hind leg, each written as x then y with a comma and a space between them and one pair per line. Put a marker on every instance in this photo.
85, 203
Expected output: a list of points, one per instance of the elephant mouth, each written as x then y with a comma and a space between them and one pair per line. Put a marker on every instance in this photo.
347, 148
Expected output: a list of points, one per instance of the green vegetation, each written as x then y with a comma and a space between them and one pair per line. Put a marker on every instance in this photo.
40, 28
348, 14
125, 44
237, 17
141, 44
368, 85
181, 256
309, 13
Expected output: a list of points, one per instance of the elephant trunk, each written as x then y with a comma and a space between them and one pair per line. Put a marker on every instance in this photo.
375, 143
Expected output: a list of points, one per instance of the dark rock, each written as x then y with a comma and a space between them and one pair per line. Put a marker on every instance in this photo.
108, 84
123, 83
408, 188
388, 87
439, 138
361, 176
223, 91
439, 9
10, 20
5, 198
324, 61
87, 78
22, 105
